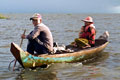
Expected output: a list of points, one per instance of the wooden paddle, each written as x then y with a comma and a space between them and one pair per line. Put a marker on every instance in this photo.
20, 46
22, 39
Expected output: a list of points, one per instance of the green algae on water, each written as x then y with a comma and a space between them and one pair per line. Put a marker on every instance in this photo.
3, 17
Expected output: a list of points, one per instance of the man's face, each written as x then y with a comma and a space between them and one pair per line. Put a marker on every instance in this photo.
87, 23
36, 21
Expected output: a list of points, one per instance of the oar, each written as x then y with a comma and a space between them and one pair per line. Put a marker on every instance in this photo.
22, 39
20, 46
15, 59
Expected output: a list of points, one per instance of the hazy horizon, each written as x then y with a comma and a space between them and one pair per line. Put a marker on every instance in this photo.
60, 6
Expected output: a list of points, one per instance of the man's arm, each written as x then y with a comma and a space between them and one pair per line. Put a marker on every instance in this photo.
34, 34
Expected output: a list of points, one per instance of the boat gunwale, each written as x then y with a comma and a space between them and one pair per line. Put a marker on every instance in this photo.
71, 54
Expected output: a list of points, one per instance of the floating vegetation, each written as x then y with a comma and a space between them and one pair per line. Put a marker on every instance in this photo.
69, 14
3, 17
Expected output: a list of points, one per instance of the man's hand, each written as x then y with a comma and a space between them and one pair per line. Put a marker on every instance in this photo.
23, 36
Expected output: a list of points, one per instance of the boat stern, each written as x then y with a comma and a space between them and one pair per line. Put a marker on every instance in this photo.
16, 50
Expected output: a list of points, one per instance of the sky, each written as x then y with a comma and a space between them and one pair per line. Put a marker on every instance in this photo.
60, 6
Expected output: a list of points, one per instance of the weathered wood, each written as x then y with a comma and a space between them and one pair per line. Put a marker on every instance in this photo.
20, 46
27, 60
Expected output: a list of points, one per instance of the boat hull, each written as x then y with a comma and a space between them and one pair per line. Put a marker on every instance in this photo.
27, 60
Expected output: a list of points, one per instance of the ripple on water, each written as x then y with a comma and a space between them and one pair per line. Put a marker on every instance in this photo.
64, 28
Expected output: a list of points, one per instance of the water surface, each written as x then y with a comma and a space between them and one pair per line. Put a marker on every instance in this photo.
65, 28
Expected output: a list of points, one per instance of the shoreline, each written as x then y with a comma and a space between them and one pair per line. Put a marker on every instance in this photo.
3, 17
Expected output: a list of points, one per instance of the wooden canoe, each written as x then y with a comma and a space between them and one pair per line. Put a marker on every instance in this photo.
27, 60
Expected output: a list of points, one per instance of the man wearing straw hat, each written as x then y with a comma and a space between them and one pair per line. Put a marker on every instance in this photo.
40, 39
88, 31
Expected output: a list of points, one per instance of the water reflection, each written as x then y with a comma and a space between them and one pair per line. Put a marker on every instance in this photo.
99, 59
37, 74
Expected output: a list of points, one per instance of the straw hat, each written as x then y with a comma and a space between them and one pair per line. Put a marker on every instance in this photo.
88, 19
36, 16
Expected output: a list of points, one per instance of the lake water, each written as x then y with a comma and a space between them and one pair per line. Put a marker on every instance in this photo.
65, 28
